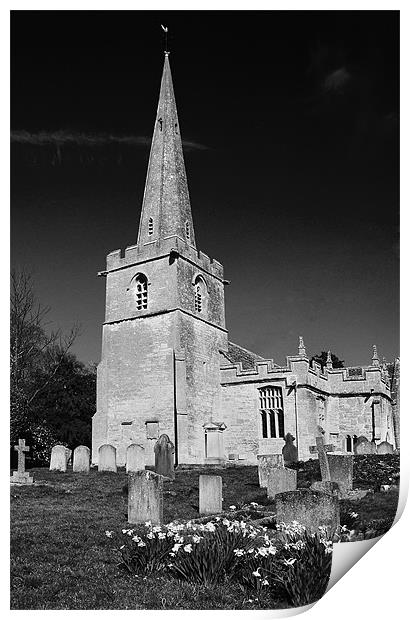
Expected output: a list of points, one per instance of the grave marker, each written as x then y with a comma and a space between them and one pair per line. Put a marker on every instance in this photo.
164, 457
385, 448
266, 462
323, 460
107, 458
210, 494
145, 497
58, 460
81, 459
309, 508
21, 476
280, 480
135, 459
341, 471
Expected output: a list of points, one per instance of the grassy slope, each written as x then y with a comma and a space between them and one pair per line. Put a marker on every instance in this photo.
61, 558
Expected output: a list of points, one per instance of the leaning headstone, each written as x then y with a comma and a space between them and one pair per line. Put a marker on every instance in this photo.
58, 460
311, 509
384, 448
210, 495
164, 457
341, 471
135, 459
365, 447
323, 459
266, 462
280, 480
81, 459
107, 458
326, 486
145, 497
289, 451
21, 476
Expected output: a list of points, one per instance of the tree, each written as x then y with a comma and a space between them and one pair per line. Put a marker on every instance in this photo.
30, 347
322, 359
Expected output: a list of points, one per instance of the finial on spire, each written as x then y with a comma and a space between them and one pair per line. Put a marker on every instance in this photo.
165, 29
375, 358
329, 363
302, 349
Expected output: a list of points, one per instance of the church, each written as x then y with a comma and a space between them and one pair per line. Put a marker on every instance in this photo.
167, 363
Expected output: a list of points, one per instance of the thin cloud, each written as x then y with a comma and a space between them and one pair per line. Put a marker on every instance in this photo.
64, 137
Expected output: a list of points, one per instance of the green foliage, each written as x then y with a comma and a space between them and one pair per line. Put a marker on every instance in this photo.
291, 561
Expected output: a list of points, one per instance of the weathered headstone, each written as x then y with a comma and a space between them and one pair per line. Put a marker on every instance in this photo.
364, 446
280, 480
323, 459
135, 459
164, 457
309, 508
385, 448
21, 476
289, 451
210, 495
81, 459
341, 471
326, 486
58, 460
145, 497
107, 458
266, 462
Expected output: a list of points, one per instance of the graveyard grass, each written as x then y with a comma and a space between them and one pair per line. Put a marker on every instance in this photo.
62, 559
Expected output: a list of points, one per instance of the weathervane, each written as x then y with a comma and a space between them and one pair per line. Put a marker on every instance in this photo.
165, 29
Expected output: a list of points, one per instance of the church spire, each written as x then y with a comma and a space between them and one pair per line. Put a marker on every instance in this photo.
166, 208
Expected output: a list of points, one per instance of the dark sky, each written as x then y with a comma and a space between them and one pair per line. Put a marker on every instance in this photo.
290, 121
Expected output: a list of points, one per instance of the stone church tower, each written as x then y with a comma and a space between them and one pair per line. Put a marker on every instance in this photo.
165, 317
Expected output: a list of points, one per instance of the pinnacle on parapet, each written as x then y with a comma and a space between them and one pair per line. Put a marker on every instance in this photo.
329, 363
302, 348
375, 358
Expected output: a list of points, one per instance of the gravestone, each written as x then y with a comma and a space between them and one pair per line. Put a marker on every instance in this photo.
326, 486
323, 459
81, 459
145, 497
135, 459
266, 462
58, 460
289, 451
384, 448
210, 495
364, 446
164, 457
341, 471
107, 458
309, 508
21, 476
280, 480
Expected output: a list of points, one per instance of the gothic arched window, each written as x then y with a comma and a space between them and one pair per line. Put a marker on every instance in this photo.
271, 412
141, 291
200, 295
150, 226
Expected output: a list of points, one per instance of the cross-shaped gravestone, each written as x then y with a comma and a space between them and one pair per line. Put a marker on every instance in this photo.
21, 476
323, 461
21, 449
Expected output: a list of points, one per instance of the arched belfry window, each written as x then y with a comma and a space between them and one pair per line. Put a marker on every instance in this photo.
271, 412
141, 291
150, 226
200, 297
187, 230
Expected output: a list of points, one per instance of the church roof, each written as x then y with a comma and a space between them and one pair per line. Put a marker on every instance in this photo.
236, 354
166, 208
